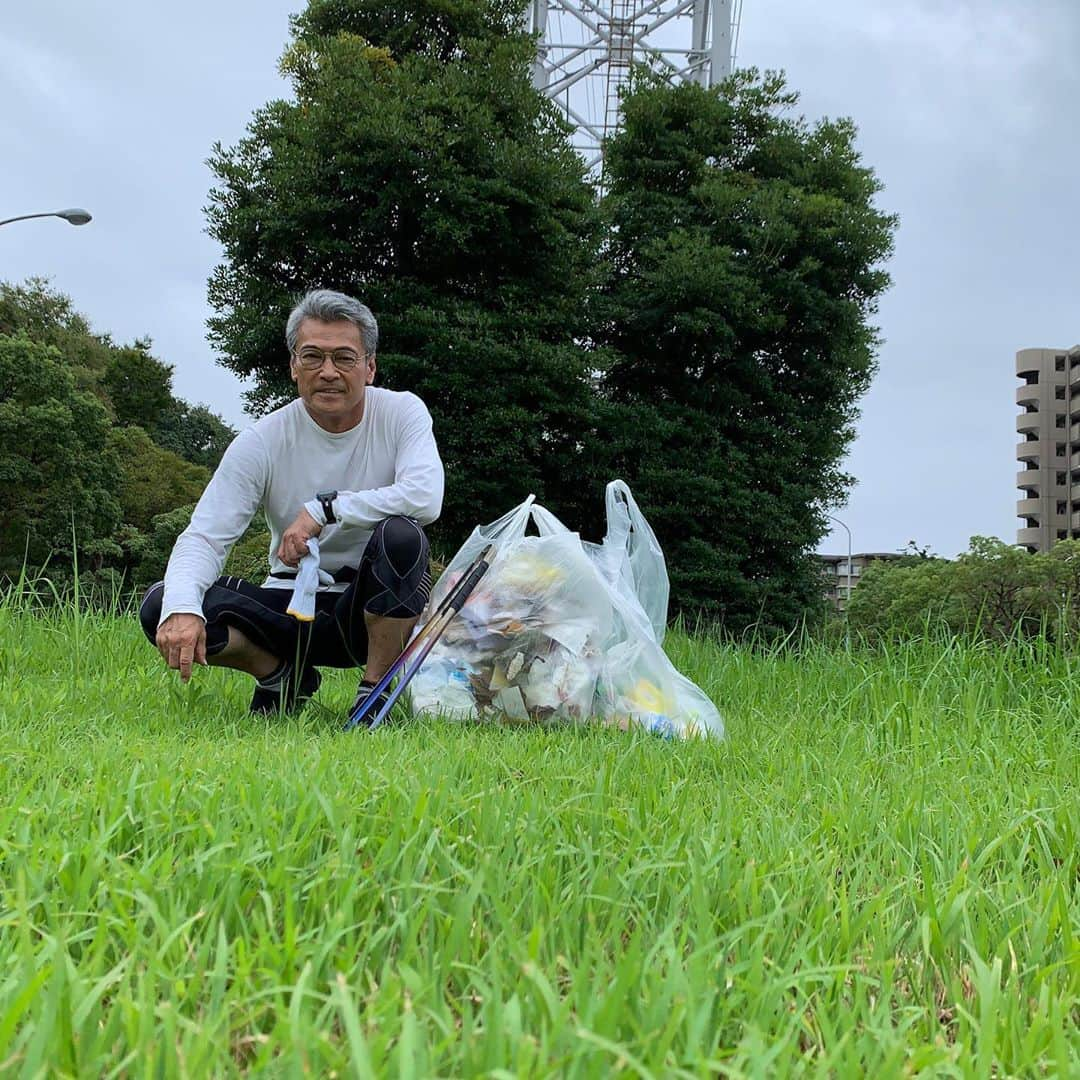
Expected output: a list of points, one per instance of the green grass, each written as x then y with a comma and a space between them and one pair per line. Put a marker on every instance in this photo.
876, 874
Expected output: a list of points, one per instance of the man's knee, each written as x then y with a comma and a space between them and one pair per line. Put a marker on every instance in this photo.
150, 610
403, 541
399, 578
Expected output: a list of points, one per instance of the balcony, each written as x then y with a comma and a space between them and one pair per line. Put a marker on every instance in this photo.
1029, 536
1027, 394
1027, 508
1029, 451
1028, 421
1028, 479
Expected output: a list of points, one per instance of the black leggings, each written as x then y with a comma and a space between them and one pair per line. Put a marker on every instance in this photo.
393, 580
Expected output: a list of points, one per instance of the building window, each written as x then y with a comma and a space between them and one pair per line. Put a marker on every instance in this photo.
1059, 392
1059, 421
1059, 450
1063, 534
1059, 363
1062, 508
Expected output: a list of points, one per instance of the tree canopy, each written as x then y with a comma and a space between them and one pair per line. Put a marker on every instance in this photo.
703, 330
435, 184
744, 258
57, 472
993, 591
94, 446
440, 30
138, 385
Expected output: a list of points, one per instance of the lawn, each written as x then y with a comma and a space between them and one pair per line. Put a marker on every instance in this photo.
876, 873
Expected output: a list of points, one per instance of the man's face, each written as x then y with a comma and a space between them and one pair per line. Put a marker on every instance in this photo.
334, 397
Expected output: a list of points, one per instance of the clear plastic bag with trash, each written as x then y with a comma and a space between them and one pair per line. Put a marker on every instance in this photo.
560, 631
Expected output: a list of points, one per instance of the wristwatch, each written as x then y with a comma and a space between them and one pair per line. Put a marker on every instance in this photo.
326, 501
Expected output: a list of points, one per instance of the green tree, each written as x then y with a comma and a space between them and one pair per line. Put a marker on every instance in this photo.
49, 317
905, 598
57, 473
744, 266
430, 179
63, 464
146, 554
139, 386
151, 481
193, 432
248, 556
441, 30
1005, 590
993, 591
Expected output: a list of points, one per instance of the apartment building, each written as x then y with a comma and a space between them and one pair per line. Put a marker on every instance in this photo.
838, 584
1049, 447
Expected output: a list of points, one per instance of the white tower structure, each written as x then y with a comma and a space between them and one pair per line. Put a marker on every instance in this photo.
587, 48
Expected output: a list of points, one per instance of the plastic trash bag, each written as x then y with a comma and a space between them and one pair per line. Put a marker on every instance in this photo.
559, 631
630, 557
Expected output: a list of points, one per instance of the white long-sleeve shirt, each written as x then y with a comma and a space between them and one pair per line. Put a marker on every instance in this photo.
388, 464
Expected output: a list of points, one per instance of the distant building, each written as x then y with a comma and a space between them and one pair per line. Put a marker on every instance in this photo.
838, 586
1049, 449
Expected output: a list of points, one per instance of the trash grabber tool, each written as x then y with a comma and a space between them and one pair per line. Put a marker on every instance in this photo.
411, 648
457, 601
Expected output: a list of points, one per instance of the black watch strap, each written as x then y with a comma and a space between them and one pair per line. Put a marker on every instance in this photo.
326, 501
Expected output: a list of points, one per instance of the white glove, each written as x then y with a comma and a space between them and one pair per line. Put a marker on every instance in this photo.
308, 579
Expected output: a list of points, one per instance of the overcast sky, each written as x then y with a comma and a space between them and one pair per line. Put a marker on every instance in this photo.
966, 109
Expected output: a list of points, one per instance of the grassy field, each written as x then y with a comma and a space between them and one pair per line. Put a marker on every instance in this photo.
877, 874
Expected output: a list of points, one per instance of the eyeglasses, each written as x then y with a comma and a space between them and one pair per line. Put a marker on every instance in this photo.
312, 359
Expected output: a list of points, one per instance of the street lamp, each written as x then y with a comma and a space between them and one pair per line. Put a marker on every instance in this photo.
73, 216
848, 531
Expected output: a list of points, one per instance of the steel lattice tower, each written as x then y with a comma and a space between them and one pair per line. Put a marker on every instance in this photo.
586, 49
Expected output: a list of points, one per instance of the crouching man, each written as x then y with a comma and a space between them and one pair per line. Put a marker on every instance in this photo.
350, 463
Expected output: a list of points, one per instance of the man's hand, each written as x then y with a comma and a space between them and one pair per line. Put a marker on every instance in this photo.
294, 539
181, 639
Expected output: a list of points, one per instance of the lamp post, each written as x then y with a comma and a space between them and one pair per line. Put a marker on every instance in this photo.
73, 216
848, 531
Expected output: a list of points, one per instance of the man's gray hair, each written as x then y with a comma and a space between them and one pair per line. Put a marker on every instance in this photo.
326, 305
